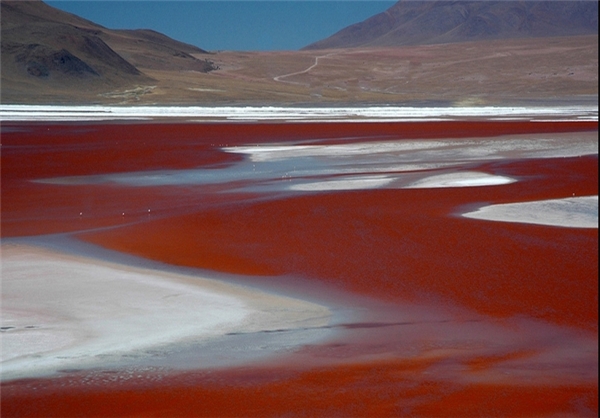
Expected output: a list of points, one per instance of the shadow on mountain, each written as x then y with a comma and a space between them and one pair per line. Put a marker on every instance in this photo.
50, 51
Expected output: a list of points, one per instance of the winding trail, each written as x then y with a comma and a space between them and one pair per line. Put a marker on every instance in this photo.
279, 77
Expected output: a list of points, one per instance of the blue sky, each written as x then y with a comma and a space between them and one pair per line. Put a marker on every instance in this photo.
231, 25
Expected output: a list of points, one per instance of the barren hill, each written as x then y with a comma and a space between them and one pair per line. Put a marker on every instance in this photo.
51, 51
53, 57
411, 22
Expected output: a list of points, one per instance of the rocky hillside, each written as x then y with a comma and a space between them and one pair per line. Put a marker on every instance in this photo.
46, 49
411, 22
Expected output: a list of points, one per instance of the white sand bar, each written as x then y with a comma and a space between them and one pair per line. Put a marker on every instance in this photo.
61, 311
460, 179
573, 212
10, 112
348, 183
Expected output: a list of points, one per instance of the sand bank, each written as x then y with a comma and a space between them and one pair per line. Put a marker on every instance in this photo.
309, 114
360, 165
63, 312
573, 212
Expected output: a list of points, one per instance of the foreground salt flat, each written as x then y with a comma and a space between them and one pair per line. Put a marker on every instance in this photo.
63, 313
60, 311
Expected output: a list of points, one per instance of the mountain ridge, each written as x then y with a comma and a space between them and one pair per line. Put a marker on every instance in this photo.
46, 48
411, 22
53, 57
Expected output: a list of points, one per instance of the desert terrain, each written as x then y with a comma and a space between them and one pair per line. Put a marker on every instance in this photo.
512, 71
502, 72
53, 57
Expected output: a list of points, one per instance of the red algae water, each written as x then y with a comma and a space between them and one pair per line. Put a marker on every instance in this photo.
450, 316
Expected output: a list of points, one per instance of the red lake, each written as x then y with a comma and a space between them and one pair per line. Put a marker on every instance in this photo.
398, 303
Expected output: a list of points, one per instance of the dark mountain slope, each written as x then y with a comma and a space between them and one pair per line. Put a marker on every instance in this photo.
47, 49
438, 22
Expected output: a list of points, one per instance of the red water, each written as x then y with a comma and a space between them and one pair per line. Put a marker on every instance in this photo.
396, 246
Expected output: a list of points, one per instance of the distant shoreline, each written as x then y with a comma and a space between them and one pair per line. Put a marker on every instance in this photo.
63, 113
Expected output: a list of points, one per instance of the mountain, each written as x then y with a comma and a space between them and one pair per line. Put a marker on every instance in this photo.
46, 49
53, 57
411, 22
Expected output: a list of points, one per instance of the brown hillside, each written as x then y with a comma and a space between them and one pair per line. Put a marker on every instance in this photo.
49, 56
411, 22
54, 53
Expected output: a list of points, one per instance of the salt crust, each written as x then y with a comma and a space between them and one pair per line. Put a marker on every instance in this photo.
572, 212
309, 114
61, 311
359, 165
